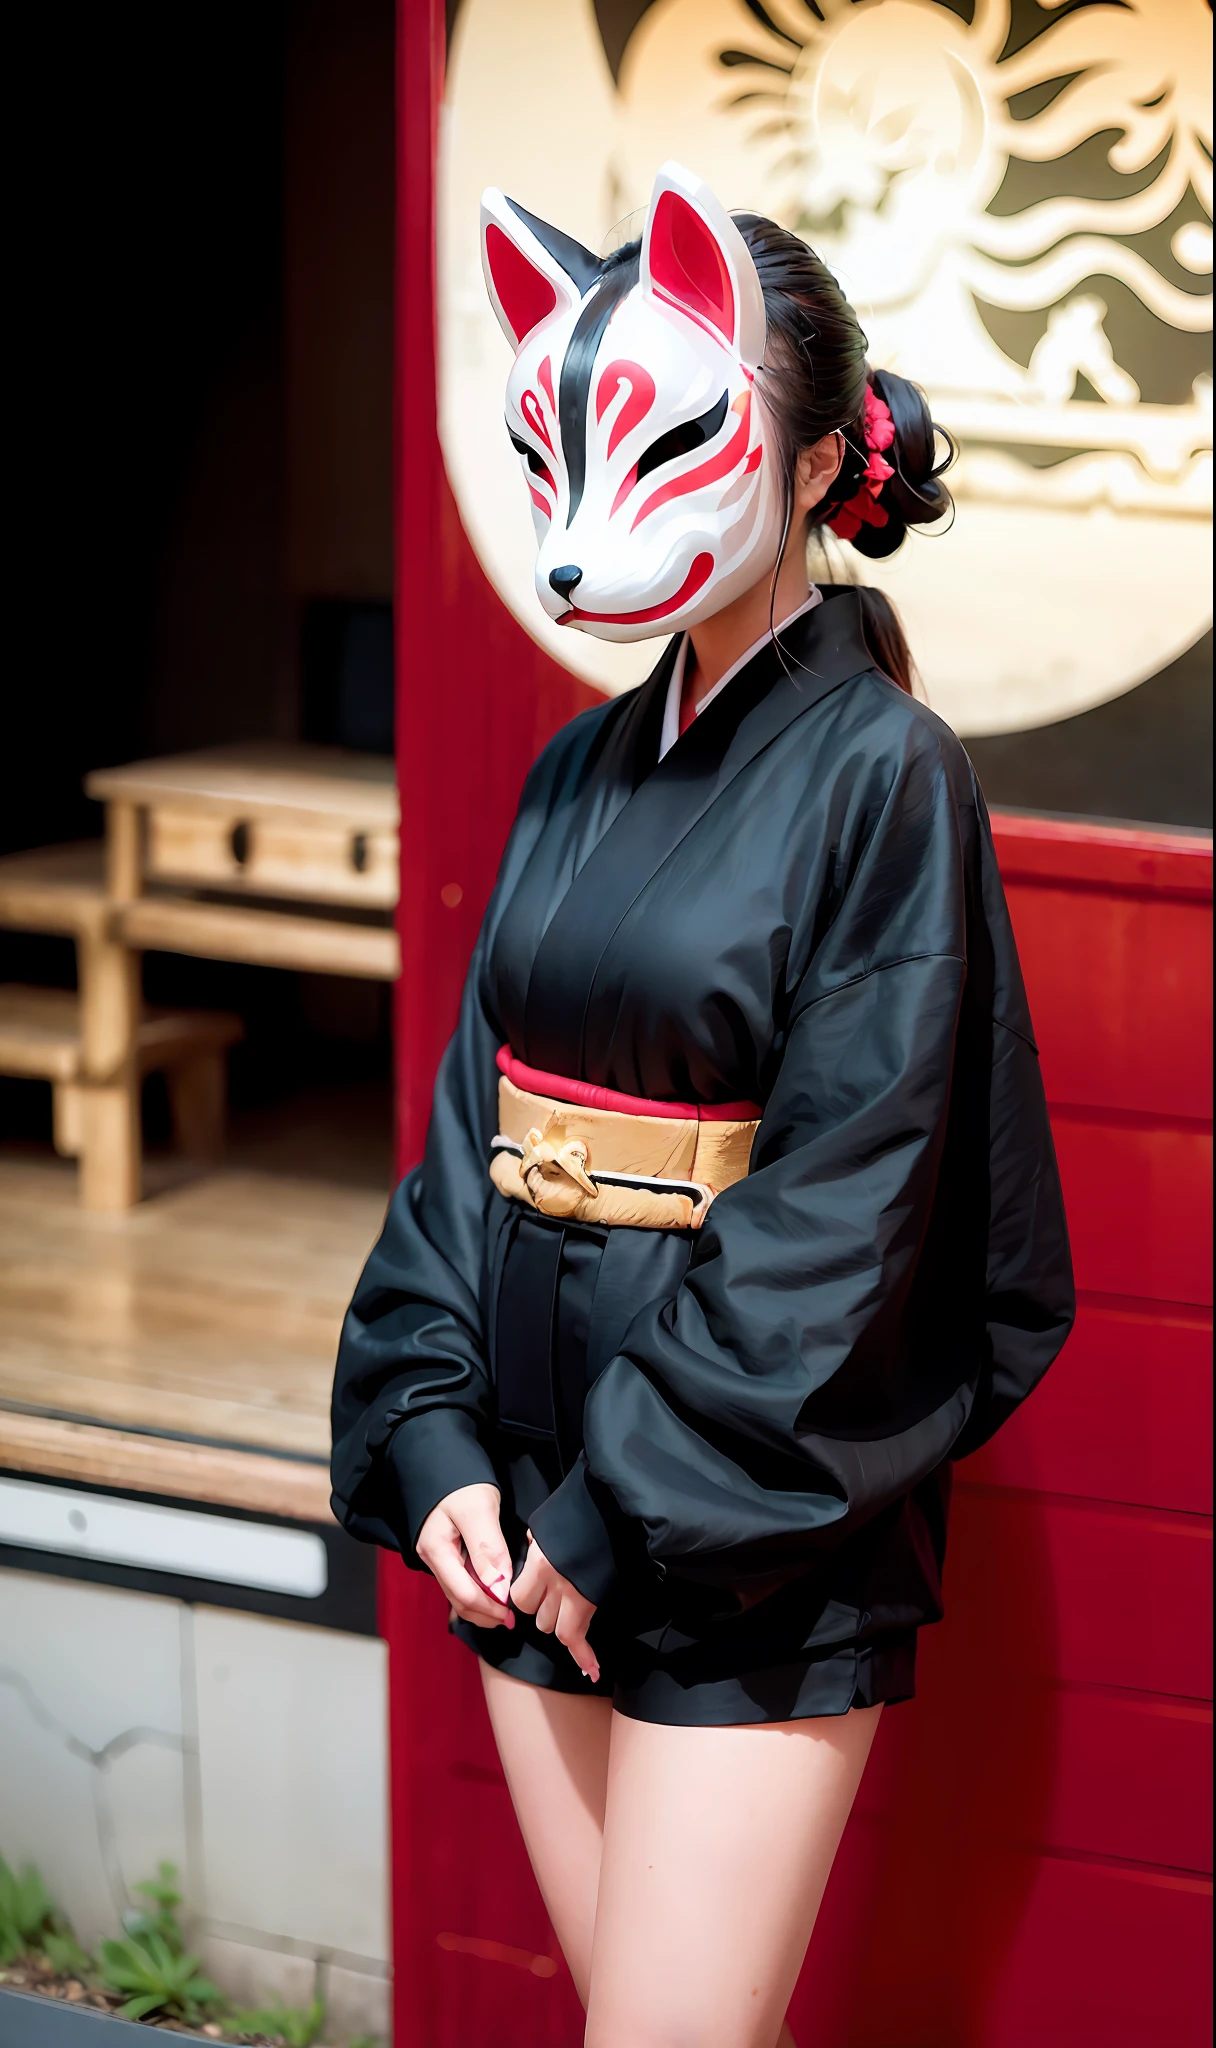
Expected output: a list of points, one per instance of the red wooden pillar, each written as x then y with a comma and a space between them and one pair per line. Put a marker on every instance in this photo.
1028, 1861
476, 700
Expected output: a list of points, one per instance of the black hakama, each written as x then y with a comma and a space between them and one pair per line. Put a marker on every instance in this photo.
737, 1441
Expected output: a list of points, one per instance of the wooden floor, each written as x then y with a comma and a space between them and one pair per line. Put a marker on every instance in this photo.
212, 1310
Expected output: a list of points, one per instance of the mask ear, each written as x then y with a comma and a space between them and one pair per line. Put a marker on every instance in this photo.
694, 258
531, 270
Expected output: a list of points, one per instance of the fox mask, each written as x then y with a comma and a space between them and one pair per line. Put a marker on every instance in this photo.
632, 403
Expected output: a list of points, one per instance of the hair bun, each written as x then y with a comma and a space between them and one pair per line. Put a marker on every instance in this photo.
915, 495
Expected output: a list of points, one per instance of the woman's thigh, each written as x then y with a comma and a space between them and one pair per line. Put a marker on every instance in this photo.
554, 1752
717, 1847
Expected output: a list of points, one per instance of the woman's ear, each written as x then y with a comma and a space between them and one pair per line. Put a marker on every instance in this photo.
815, 472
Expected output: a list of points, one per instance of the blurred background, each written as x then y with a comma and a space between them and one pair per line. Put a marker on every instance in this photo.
201, 255
203, 1095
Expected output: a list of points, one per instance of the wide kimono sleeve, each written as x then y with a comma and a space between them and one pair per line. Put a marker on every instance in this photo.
413, 1409
412, 1404
892, 1276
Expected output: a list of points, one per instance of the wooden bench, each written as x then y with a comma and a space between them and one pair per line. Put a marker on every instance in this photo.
282, 856
42, 1038
59, 889
80, 1043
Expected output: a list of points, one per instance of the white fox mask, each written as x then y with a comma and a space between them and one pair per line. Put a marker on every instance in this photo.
651, 467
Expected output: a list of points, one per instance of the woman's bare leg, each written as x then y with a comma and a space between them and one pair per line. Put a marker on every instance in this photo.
554, 1752
717, 1847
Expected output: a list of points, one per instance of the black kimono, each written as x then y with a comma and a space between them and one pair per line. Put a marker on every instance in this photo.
736, 1441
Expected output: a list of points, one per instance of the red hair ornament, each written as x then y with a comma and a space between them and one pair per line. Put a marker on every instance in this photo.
863, 509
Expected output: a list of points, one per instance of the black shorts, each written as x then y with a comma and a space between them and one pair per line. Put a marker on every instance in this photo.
560, 1297
682, 1684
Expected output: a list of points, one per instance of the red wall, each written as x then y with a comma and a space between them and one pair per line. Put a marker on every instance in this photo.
1030, 1858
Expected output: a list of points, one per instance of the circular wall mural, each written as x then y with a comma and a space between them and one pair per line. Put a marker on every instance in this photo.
1019, 206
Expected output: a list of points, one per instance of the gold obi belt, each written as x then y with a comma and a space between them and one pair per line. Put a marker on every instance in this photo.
590, 1155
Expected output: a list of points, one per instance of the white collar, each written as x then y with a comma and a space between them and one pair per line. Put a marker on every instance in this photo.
671, 711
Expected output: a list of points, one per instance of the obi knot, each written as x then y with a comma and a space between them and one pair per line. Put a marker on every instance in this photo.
554, 1169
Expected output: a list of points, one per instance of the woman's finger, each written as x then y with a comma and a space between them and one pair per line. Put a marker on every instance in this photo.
573, 1621
548, 1611
447, 1566
472, 1604
529, 1587
461, 1544
474, 1510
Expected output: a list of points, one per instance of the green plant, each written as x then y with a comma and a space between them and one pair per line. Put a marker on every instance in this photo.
295, 2026
147, 1963
156, 1978
149, 1960
65, 1955
25, 1909
31, 1921
165, 1896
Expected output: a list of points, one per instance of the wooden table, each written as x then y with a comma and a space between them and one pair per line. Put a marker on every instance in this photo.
284, 856
313, 829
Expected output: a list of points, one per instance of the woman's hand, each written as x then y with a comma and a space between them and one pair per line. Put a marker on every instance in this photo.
461, 1544
559, 1607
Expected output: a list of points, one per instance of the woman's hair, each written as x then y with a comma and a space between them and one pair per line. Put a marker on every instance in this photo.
885, 638
814, 382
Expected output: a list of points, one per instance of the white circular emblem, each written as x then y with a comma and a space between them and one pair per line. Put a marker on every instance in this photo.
1079, 560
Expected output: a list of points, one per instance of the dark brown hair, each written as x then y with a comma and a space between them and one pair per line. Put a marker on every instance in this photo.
814, 379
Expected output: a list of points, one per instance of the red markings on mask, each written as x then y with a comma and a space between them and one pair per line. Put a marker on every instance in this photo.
625, 489
529, 405
544, 378
540, 503
687, 264
524, 292
695, 580
636, 406
710, 472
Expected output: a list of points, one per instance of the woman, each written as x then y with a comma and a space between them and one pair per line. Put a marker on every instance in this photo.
739, 1219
